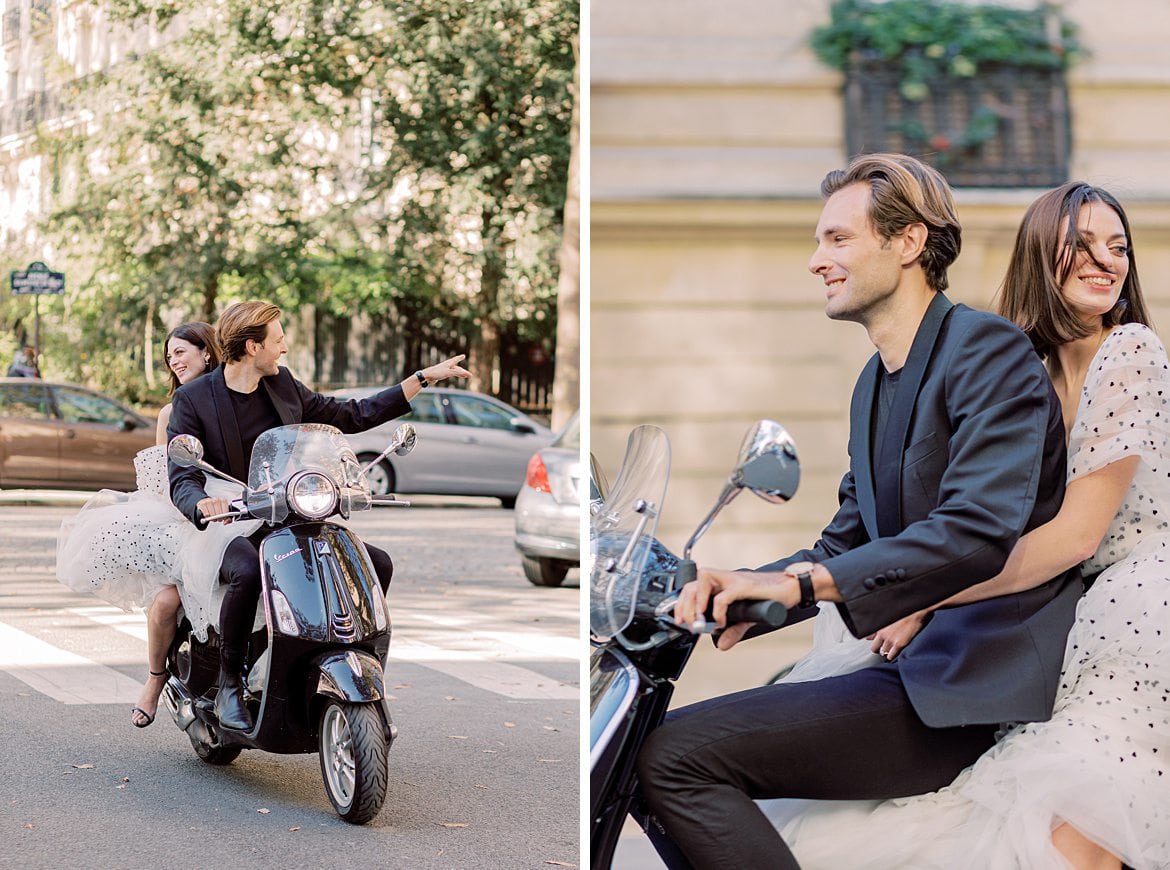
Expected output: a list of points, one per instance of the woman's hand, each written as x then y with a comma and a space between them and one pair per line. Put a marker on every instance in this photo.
895, 637
448, 368
720, 588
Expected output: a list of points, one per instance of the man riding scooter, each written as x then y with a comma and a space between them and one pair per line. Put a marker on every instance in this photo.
227, 411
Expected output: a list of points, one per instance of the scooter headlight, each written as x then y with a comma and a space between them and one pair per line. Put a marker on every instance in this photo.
312, 495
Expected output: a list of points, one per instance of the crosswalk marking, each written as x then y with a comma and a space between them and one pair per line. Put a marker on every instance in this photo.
498, 677
133, 624
62, 675
478, 658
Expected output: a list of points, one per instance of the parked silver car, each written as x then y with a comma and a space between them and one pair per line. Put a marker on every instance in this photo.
468, 444
548, 509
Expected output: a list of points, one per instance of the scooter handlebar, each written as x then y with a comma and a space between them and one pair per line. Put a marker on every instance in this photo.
770, 613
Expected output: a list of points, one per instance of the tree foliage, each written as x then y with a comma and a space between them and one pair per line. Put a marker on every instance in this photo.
356, 156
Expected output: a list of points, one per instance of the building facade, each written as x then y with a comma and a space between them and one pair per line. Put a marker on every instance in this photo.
712, 127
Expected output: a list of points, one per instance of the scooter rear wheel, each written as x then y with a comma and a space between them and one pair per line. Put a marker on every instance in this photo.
353, 751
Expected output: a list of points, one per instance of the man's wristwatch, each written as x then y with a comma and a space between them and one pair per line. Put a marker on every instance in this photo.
422, 379
802, 571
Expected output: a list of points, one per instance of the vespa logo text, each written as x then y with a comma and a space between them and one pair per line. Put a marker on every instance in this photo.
286, 555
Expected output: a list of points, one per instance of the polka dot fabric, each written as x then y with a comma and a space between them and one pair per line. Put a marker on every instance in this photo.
125, 547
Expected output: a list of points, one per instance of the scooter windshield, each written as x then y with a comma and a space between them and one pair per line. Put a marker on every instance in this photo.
622, 530
280, 452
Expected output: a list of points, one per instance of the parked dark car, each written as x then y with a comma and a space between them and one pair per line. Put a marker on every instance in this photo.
468, 444
61, 436
549, 509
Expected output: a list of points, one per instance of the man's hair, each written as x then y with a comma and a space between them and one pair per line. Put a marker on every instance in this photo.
906, 191
1044, 256
198, 333
244, 321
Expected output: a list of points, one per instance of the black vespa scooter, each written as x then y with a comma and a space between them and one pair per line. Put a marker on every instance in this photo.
314, 673
638, 648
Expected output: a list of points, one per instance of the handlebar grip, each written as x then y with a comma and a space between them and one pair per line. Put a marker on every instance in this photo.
770, 613
230, 515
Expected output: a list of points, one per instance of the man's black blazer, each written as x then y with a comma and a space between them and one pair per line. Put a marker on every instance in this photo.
203, 408
973, 456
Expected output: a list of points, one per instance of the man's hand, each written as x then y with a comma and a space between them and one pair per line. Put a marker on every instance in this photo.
209, 507
448, 368
894, 638
720, 588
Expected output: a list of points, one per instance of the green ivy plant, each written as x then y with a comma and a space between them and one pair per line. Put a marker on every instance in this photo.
930, 42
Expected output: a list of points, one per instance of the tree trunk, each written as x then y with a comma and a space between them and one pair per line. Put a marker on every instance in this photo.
210, 292
485, 349
567, 374
148, 346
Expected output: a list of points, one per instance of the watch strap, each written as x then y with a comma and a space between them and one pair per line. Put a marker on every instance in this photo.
808, 597
422, 379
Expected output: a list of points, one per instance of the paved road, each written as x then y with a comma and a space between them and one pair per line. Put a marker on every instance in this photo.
484, 670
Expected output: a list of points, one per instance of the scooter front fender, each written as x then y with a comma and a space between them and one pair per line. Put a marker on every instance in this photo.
353, 676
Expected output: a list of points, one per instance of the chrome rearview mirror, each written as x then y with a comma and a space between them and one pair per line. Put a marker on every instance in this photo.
402, 443
404, 438
767, 465
186, 451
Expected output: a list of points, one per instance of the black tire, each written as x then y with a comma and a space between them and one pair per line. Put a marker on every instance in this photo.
380, 476
217, 755
544, 572
508, 502
353, 751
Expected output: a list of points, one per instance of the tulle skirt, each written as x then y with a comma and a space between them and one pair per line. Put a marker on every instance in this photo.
125, 547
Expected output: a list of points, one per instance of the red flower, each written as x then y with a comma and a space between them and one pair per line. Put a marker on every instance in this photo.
940, 142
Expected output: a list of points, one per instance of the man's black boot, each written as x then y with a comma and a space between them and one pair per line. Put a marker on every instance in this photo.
230, 708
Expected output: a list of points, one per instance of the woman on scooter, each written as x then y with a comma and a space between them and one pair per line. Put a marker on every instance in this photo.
1087, 788
132, 550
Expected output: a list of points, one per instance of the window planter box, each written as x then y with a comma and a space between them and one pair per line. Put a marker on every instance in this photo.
1008, 126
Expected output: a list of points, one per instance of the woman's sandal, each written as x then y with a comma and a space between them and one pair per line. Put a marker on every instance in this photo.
149, 717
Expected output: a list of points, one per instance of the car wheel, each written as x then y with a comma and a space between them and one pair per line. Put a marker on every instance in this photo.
544, 572
380, 476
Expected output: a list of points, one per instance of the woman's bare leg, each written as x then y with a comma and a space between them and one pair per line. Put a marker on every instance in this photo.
160, 631
1082, 852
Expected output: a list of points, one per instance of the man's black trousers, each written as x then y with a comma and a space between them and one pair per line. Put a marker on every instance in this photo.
849, 737
240, 570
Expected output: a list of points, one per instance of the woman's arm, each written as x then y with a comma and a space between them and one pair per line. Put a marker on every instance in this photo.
160, 432
1072, 536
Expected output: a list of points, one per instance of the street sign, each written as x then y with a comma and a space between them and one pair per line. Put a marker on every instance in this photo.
37, 280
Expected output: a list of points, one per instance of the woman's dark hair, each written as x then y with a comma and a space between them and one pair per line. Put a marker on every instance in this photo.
198, 333
1045, 254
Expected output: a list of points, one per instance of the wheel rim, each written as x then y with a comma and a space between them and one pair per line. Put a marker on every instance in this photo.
379, 480
337, 753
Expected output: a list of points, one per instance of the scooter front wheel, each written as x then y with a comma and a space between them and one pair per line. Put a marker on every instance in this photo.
353, 752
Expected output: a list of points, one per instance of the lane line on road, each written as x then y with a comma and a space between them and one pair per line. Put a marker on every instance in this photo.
502, 679
492, 642
62, 675
74, 679
133, 624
